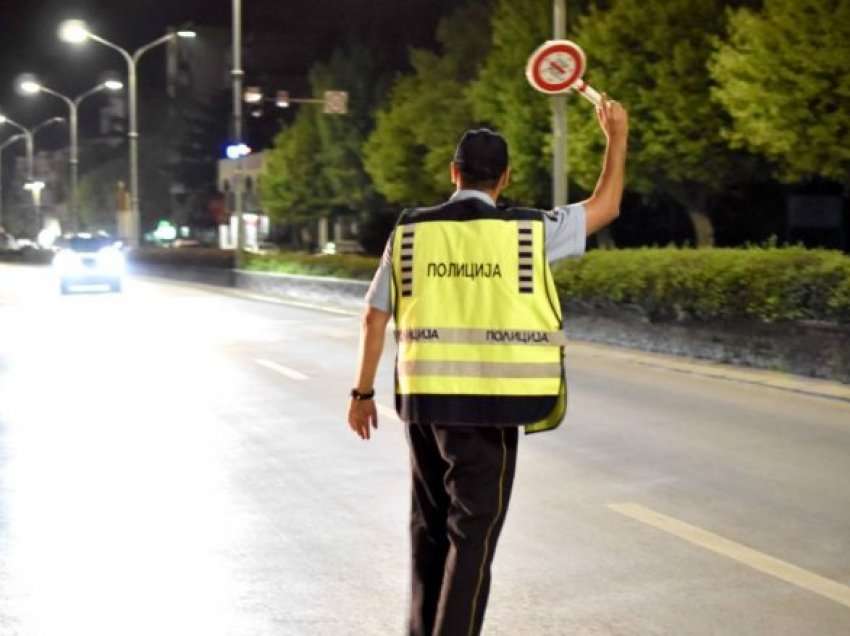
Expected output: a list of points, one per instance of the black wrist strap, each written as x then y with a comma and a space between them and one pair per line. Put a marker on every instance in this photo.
357, 395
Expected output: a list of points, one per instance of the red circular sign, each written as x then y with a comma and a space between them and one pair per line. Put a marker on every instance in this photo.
555, 66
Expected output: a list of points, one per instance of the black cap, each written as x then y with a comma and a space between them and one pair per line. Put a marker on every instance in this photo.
482, 155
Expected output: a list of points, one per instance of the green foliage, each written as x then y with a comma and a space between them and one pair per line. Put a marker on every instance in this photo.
315, 167
783, 75
766, 284
652, 57
503, 98
341, 138
409, 152
293, 186
336, 265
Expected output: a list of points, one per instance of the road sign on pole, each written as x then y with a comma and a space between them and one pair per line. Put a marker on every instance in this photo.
557, 67
336, 102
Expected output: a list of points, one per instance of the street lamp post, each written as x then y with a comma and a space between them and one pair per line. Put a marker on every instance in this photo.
559, 119
238, 74
8, 142
31, 87
75, 31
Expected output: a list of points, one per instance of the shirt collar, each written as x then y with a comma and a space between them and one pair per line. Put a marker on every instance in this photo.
460, 195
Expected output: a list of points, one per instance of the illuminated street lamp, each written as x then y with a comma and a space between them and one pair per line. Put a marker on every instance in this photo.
76, 32
30, 86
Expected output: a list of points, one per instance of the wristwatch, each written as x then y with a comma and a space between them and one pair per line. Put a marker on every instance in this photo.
357, 395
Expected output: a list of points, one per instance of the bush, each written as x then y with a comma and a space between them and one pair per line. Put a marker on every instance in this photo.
337, 265
761, 283
767, 284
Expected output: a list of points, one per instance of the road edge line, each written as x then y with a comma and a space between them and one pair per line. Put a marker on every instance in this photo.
764, 563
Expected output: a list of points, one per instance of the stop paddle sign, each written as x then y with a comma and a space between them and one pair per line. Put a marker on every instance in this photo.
557, 67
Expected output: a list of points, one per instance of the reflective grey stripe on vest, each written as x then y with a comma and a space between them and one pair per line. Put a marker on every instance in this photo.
525, 235
407, 239
479, 369
482, 336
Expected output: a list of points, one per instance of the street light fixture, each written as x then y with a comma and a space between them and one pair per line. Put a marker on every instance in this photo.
31, 86
73, 31
46, 123
76, 32
333, 102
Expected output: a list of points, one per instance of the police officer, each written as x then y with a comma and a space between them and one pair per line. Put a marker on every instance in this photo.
480, 337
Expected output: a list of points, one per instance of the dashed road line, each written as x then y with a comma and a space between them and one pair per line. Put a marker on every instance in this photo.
292, 374
229, 291
292, 303
760, 561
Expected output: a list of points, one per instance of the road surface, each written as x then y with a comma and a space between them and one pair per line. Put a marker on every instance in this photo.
175, 460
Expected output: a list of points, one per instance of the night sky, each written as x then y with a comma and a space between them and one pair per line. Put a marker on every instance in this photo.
308, 31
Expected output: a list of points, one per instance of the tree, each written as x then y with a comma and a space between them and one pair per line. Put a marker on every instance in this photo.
503, 97
653, 58
293, 186
409, 152
783, 76
315, 168
341, 138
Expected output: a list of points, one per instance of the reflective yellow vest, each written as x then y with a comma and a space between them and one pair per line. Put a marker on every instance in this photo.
478, 320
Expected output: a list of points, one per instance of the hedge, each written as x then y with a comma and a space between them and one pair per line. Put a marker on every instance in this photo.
767, 284
337, 265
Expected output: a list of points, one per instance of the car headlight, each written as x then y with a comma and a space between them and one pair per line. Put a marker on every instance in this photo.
66, 262
110, 259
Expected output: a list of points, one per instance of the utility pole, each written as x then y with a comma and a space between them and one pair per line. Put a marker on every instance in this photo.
560, 193
237, 73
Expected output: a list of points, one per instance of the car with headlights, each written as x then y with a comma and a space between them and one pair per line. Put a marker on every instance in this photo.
89, 259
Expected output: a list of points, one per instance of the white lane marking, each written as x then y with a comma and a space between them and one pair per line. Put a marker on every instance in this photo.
292, 303
386, 411
742, 554
229, 291
292, 374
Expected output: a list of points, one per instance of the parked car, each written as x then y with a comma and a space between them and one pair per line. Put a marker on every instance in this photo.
89, 259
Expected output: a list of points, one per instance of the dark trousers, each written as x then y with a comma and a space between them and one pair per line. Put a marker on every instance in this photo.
462, 478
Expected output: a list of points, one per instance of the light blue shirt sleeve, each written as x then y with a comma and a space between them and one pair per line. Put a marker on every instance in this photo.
565, 229
566, 232
379, 295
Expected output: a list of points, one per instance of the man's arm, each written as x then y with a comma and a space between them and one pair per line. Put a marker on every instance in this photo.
362, 413
603, 206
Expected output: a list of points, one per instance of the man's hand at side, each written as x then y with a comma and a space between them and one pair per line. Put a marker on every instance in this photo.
361, 415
